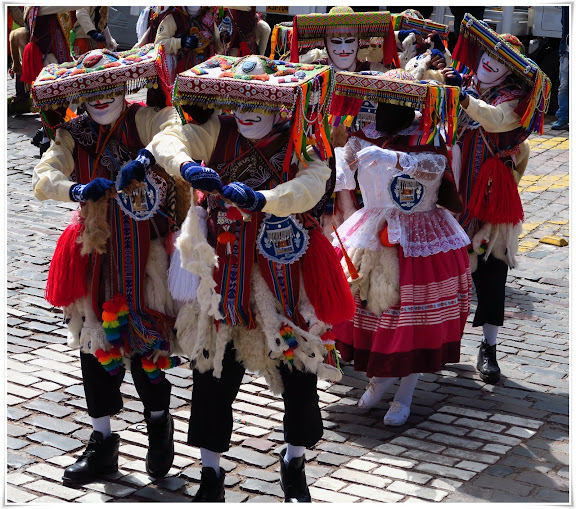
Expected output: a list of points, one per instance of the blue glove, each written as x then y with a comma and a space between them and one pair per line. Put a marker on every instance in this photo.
244, 196
436, 41
97, 36
188, 41
136, 170
402, 34
201, 178
455, 80
437, 53
92, 191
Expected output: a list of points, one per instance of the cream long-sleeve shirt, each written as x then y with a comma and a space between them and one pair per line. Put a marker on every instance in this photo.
494, 119
179, 144
50, 180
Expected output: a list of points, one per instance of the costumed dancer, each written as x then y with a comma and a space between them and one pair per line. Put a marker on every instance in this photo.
91, 30
504, 100
184, 37
269, 281
17, 38
49, 31
413, 283
108, 270
342, 32
244, 32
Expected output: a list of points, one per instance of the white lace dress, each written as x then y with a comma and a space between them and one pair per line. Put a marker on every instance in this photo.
420, 329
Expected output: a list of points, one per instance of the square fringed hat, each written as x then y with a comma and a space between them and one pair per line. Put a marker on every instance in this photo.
477, 37
97, 74
257, 83
409, 20
311, 30
438, 103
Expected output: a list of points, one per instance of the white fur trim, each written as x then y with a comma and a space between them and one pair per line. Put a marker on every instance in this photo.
156, 290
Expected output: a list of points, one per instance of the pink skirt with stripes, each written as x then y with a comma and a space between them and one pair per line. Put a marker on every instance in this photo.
424, 331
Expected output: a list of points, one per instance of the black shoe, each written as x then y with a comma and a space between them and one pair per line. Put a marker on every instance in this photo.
160, 445
293, 479
99, 458
487, 364
211, 487
38, 137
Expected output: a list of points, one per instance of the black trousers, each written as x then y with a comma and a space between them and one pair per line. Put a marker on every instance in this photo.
490, 282
102, 390
211, 413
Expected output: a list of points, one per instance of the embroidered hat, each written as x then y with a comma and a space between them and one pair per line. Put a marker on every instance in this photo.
413, 20
257, 83
98, 74
477, 37
438, 103
311, 30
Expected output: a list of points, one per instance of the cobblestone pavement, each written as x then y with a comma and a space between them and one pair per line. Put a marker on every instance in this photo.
465, 441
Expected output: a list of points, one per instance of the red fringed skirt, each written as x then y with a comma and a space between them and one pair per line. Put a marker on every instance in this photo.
424, 331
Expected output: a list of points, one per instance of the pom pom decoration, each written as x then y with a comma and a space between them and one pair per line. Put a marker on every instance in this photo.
152, 369
495, 197
329, 341
115, 319
111, 361
325, 283
67, 274
289, 338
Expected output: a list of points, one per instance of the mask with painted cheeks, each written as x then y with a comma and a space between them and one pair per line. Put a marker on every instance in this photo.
491, 72
254, 126
342, 51
106, 111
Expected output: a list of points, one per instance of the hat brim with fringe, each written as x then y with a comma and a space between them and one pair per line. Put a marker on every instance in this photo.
426, 26
475, 38
438, 103
73, 82
310, 31
300, 90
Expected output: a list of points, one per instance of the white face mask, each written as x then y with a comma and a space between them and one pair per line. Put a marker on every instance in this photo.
490, 71
106, 111
193, 11
342, 52
254, 126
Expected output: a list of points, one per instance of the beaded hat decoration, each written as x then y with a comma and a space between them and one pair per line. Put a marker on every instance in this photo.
281, 40
256, 83
413, 20
311, 30
97, 74
438, 103
477, 37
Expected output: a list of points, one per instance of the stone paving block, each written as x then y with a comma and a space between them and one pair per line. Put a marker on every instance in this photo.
390, 460
94, 498
329, 483
446, 484
158, 495
404, 475
55, 440
15, 443
510, 486
372, 493
328, 458
49, 408
345, 450
262, 487
518, 421
321, 495
495, 437
15, 430
471, 455
21, 392
18, 496
250, 457
363, 466
258, 444
52, 424
520, 432
418, 444
551, 496
414, 490
477, 424
466, 412
54, 489
545, 480
18, 478
429, 457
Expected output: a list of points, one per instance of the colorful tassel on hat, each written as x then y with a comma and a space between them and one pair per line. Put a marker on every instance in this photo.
111, 361
329, 341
